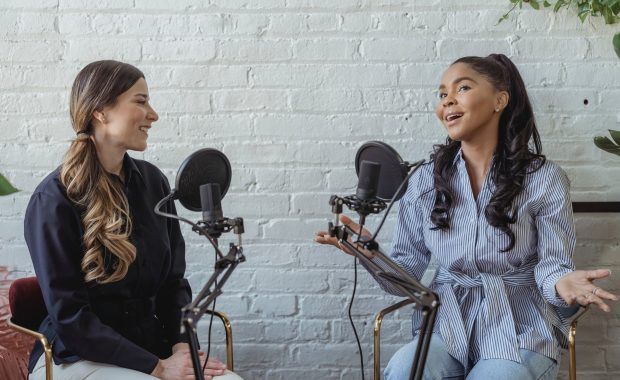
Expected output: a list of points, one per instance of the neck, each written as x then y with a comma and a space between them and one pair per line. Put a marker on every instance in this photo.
478, 157
111, 158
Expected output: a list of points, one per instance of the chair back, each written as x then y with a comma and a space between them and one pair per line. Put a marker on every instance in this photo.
26, 302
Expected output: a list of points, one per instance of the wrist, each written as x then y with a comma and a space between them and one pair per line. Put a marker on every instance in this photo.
157, 371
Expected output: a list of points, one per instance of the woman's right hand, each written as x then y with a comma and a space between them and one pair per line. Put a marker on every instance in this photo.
323, 237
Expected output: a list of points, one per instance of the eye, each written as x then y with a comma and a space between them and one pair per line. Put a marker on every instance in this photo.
442, 95
141, 101
464, 87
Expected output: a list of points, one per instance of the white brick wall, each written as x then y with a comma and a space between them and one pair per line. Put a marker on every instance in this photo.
289, 89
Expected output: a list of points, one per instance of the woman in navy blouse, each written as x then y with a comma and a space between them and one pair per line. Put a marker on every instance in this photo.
497, 218
111, 271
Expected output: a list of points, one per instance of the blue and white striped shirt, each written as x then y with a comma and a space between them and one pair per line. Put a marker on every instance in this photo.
493, 303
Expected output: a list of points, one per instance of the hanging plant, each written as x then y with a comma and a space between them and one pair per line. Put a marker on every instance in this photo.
608, 9
607, 144
5, 186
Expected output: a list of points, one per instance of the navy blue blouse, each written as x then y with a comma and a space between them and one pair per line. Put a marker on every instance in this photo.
129, 323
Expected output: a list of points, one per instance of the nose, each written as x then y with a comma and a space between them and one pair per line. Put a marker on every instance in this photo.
448, 101
152, 115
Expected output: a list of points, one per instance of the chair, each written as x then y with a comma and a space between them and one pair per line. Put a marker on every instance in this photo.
572, 365
28, 311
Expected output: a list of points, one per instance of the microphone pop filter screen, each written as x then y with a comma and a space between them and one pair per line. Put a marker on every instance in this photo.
202, 167
393, 168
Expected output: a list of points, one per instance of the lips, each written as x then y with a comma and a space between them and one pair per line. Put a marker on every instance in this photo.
453, 116
145, 129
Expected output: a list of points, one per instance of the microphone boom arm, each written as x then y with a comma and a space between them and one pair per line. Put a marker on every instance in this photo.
423, 298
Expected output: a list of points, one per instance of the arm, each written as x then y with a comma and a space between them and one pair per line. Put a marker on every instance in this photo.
408, 248
52, 232
556, 235
175, 291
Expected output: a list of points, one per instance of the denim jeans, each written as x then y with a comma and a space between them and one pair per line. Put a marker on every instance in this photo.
441, 366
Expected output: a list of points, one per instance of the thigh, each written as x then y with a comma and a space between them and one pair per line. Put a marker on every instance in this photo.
533, 366
85, 369
440, 364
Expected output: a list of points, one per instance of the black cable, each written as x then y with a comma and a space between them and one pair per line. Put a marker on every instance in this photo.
357, 338
415, 167
210, 326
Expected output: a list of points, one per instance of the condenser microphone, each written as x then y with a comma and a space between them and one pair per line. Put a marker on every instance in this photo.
368, 180
211, 202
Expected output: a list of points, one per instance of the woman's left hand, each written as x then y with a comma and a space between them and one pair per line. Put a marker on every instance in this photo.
214, 367
577, 287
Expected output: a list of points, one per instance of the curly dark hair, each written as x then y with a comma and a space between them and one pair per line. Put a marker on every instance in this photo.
517, 150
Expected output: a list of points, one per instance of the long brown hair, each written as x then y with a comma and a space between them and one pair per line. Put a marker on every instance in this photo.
518, 152
106, 218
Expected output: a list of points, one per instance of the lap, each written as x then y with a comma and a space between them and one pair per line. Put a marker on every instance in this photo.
85, 369
440, 365
533, 366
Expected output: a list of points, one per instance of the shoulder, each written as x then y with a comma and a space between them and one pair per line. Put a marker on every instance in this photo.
420, 182
52, 189
49, 201
548, 175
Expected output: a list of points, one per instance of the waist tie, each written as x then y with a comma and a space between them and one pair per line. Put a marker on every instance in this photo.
493, 313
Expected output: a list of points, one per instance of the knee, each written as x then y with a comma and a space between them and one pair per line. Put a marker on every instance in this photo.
228, 376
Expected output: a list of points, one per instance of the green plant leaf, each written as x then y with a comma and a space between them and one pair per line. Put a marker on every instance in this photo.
5, 186
534, 4
616, 42
615, 135
608, 16
546, 4
607, 145
558, 5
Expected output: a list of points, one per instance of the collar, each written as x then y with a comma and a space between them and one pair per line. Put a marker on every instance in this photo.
130, 167
458, 157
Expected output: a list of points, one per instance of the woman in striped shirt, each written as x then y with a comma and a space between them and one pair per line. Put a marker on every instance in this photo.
496, 216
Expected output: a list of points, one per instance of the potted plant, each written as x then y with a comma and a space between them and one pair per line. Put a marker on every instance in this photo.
608, 9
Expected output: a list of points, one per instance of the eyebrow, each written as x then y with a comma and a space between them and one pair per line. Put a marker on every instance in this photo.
457, 80
145, 96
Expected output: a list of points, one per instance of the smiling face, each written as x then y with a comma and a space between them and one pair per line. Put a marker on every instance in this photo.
469, 105
126, 123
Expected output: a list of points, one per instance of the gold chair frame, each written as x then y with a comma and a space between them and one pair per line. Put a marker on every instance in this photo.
47, 347
572, 364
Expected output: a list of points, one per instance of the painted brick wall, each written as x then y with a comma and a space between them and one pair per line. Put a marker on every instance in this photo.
289, 89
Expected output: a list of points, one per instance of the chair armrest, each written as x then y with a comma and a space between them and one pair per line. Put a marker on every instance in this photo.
229, 339
377, 333
47, 347
572, 360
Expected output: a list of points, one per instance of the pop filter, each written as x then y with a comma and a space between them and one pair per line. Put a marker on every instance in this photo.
393, 168
201, 167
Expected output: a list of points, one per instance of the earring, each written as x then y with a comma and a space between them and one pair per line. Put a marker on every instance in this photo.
497, 110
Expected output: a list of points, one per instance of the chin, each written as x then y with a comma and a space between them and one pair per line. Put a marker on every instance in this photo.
138, 147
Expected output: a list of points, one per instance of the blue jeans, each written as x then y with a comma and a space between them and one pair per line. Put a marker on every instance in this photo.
441, 366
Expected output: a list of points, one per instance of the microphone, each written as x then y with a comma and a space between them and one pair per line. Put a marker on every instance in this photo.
211, 202
368, 180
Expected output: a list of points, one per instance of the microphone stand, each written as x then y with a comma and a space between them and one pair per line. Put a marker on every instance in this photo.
224, 267
422, 297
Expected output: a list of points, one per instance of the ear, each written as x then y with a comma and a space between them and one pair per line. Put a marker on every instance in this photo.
501, 100
99, 116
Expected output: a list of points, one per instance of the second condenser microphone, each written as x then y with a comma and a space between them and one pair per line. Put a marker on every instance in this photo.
368, 180
211, 202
